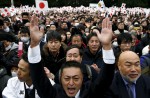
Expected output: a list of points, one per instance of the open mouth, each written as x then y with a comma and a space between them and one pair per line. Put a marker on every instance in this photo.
71, 90
133, 75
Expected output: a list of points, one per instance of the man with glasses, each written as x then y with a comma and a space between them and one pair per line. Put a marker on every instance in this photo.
124, 41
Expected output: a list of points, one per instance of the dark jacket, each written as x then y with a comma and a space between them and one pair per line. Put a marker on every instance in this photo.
3, 79
118, 88
7, 58
16, 26
51, 62
89, 58
94, 89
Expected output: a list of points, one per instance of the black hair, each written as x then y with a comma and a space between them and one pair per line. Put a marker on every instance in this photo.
124, 37
53, 35
6, 19
90, 36
9, 36
75, 35
113, 16
64, 33
81, 27
89, 19
24, 57
1, 22
136, 23
53, 24
24, 13
74, 46
69, 64
148, 27
75, 30
64, 22
25, 30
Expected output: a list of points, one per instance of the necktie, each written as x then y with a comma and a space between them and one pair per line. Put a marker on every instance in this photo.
130, 92
31, 93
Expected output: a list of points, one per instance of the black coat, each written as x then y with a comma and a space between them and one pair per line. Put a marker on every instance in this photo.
51, 62
89, 59
94, 89
10, 57
3, 79
118, 88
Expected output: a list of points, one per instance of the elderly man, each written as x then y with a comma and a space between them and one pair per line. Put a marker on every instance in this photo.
128, 82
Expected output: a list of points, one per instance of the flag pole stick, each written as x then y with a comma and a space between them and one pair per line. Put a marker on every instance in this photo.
12, 2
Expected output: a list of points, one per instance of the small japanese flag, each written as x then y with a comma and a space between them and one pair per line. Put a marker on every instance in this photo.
101, 4
123, 5
41, 5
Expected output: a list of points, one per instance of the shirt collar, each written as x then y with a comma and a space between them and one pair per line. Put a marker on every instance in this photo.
126, 82
77, 95
27, 87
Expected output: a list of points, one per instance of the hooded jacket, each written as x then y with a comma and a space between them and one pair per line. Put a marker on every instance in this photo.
9, 57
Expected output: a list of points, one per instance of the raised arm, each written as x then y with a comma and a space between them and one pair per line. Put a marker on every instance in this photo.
106, 34
38, 75
36, 33
105, 77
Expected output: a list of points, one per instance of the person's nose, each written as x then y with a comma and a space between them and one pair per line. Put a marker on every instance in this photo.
72, 58
133, 68
53, 44
94, 43
71, 82
127, 44
76, 42
18, 72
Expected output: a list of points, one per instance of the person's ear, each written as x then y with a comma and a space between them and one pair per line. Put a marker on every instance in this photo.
87, 44
118, 65
29, 74
59, 76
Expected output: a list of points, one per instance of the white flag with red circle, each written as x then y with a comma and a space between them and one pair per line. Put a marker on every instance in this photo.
41, 5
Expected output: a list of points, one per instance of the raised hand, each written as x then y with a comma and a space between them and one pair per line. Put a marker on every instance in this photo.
48, 73
106, 34
36, 34
96, 68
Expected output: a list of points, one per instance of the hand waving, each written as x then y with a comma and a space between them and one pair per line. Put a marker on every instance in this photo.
106, 34
48, 73
36, 34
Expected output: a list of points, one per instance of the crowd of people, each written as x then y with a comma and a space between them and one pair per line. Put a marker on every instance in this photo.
75, 53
